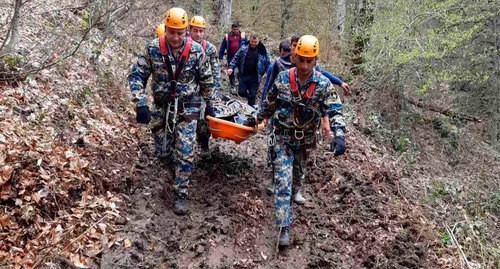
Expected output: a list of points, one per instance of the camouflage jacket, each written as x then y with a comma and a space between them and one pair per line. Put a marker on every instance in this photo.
196, 71
325, 101
211, 52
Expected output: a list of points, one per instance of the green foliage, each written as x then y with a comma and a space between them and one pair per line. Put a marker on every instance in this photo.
445, 238
13, 61
402, 144
39, 118
440, 190
429, 42
84, 97
434, 50
437, 190
423, 89
86, 20
87, 91
444, 127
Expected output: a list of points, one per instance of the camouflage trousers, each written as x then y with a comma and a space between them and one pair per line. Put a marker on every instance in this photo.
289, 169
176, 148
298, 170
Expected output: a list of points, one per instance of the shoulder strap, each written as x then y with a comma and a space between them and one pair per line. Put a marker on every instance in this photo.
184, 57
204, 45
163, 45
295, 89
180, 62
311, 88
173, 78
293, 82
301, 119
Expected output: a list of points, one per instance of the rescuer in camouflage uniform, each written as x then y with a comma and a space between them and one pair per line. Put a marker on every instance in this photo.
176, 94
297, 115
285, 62
197, 31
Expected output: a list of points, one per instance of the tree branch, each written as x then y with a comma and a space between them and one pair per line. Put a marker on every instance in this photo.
13, 33
13, 75
447, 112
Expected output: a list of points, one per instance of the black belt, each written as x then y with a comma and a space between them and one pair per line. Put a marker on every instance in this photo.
304, 136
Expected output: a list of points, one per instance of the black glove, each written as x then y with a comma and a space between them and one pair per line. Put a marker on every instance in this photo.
142, 114
250, 122
209, 110
338, 145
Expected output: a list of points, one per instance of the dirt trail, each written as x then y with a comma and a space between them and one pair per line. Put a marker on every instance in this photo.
354, 217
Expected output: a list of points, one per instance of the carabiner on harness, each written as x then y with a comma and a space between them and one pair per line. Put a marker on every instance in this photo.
171, 112
168, 113
271, 139
298, 134
297, 99
319, 137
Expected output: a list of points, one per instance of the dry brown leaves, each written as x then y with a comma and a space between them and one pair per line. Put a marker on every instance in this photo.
64, 154
48, 196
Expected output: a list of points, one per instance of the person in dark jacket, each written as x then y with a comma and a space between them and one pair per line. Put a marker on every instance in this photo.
252, 61
230, 44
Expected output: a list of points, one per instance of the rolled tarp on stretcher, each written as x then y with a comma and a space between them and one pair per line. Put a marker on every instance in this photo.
227, 123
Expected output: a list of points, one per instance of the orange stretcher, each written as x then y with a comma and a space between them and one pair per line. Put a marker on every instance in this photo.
230, 130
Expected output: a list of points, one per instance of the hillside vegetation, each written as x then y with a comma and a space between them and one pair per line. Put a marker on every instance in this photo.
419, 186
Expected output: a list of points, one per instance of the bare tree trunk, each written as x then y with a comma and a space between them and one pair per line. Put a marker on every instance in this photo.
12, 36
196, 8
363, 19
341, 15
285, 17
222, 12
227, 6
494, 126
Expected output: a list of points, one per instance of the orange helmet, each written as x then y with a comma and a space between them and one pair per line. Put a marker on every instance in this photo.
160, 30
176, 18
308, 46
198, 21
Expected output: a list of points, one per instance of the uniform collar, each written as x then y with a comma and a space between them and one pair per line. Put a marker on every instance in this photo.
314, 77
176, 52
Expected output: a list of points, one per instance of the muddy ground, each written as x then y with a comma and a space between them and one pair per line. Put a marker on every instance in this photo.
354, 216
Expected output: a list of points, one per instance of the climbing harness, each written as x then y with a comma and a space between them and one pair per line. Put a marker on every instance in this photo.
300, 105
171, 110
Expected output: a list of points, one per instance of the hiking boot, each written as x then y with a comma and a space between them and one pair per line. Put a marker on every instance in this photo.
180, 204
284, 239
270, 189
299, 199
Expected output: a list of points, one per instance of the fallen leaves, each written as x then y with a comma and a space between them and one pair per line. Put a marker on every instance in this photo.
58, 200
5, 173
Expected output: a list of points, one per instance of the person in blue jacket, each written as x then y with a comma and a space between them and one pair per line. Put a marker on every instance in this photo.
252, 61
230, 44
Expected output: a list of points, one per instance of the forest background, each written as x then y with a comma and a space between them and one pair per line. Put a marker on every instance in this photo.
425, 79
